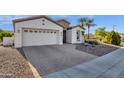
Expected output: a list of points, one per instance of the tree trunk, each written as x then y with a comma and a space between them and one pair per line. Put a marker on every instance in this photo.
88, 33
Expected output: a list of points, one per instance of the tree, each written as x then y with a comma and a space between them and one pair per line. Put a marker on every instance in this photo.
87, 22
100, 32
5, 34
1, 30
114, 38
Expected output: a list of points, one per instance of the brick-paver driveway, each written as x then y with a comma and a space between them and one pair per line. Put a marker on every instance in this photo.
52, 58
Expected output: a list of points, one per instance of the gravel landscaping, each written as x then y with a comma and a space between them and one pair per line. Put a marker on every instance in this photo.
13, 64
98, 50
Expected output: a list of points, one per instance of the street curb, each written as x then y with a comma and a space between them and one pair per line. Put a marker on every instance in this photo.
34, 71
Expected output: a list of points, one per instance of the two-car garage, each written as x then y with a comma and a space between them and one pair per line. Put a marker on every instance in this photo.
36, 31
35, 37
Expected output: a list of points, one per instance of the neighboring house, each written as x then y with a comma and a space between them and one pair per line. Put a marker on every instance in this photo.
122, 37
41, 30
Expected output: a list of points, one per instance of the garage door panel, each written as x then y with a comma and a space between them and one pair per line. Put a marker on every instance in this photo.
37, 38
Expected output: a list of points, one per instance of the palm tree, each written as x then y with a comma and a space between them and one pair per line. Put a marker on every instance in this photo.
87, 22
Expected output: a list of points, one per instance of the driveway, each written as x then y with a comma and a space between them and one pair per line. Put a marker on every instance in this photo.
53, 58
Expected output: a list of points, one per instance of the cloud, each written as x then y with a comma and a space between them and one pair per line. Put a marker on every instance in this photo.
20, 16
7, 19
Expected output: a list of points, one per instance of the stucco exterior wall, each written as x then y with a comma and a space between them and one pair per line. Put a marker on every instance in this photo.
18, 37
41, 23
69, 36
72, 35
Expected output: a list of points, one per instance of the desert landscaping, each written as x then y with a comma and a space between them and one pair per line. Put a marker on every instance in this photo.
13, 64
98, 50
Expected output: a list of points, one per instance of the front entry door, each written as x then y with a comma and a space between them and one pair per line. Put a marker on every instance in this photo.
64, 36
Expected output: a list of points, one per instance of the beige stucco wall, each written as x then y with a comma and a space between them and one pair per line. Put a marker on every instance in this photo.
72, 35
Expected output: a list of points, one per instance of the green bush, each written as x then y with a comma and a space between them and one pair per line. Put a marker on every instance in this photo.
104, 40
113, 38
5, 34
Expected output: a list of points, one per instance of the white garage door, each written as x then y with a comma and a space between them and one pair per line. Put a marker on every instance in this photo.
36, 37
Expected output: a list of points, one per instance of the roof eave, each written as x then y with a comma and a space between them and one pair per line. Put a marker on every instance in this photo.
33, 18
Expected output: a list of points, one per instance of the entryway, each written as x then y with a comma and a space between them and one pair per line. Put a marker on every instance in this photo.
64, 36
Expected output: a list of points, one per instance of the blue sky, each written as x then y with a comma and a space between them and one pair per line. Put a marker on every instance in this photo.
100, 20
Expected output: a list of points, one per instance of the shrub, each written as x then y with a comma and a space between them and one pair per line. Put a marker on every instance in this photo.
104, 40
113, 38
5, 34
93, 42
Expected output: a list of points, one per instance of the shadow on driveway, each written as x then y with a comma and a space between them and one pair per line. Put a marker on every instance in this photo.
20, 50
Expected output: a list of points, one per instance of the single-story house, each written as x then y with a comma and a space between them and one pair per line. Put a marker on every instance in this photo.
42, 30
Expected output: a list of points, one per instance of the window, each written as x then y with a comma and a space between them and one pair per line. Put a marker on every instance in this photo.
43, 20
30, 31
43, 23
35, 31
25, 30
78, 35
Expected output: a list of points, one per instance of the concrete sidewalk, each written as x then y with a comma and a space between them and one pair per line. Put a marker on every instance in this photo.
108, 66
